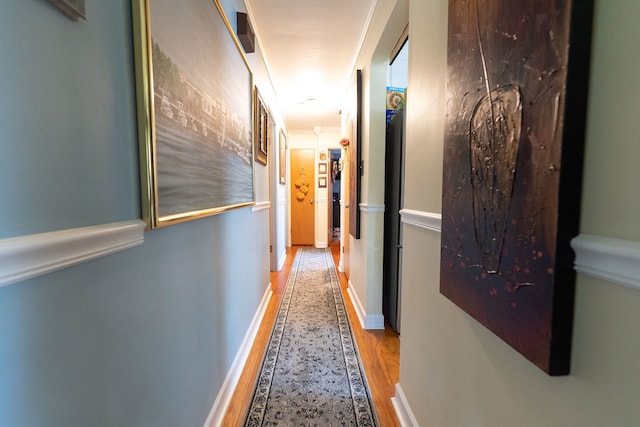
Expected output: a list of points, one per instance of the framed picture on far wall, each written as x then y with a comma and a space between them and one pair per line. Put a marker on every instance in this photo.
195, 133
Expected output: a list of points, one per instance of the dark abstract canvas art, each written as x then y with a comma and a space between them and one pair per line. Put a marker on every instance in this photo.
515, 108
355, 163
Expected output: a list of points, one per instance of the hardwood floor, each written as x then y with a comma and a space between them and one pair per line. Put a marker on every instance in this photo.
380, 352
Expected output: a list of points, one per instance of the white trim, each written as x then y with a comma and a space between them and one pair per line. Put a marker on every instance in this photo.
613, 260
429, 220
361, 43
403, 410
30, 256
264, 59
356, 304
367, 321
366, 207
374, 322
283, 258
260, 206
221, 404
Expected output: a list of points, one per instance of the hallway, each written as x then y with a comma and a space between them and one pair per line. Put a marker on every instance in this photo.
106, 322
379, 350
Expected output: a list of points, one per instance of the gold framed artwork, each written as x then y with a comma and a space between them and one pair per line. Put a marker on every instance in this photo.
261, 140
322, 168
322, 182
195, 132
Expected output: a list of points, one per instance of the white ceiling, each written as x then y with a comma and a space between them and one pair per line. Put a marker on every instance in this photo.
310, 47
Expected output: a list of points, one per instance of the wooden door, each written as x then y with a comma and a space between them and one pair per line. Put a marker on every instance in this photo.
302, 197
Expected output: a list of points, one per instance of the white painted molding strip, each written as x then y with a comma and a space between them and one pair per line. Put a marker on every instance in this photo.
259, 206
367, 321
283, 258
402, 409
366, 207
221, 404
613, 260
429, 220
356, 304
29, 256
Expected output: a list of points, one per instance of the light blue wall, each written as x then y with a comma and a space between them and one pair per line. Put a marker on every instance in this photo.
144, 337
67, 118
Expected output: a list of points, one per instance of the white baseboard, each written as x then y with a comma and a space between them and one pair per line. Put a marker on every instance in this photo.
374, 322
219, 408
30, 256
283, 258
356, 304
403, 410
367, 321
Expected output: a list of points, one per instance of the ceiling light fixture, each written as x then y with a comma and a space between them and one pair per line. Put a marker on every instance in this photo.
312, 103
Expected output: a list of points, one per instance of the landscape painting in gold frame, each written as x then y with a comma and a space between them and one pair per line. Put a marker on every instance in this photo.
194, 93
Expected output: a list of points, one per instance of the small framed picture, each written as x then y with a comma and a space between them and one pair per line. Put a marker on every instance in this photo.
322, 182
322, 168
261, 143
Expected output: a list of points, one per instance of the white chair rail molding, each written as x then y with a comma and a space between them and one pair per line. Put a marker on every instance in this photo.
29, 256
613, 260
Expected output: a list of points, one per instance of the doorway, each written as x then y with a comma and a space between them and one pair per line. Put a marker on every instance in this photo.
335, 175
302, 178
394, 171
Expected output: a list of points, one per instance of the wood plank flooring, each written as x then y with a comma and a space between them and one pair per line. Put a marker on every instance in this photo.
380, 352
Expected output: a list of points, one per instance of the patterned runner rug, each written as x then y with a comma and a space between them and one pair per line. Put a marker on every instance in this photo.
311, 374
